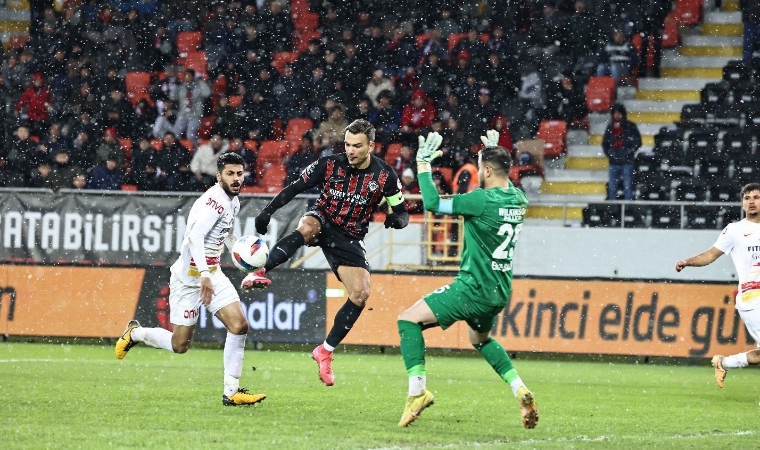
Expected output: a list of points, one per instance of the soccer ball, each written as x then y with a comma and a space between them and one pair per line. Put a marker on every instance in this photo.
250, 253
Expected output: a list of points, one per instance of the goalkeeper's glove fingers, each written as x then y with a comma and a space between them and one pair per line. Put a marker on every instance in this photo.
491, 139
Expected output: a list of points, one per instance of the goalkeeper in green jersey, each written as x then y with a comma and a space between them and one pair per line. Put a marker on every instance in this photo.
493, 218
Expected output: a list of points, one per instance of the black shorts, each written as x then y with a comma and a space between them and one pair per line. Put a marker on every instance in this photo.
339, 248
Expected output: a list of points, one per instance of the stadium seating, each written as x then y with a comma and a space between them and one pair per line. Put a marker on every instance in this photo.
305, 22
188, 42
601, 214
635, 216
271, 153
279, 60
688, 12
646, 165
17, 41
666, 216
233, 101
670, 31
691, 190
553, 133
701, 217
195, 61
296, 128
301, 40
746, 168
272, 178
454, 40
138, 87
392, 152
600, 94
723, 190
658, 189
207, 123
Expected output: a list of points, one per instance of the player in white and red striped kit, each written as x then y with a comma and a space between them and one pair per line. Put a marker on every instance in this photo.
196, 278
742, 240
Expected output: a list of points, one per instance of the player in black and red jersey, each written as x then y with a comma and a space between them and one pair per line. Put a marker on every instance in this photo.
352, 184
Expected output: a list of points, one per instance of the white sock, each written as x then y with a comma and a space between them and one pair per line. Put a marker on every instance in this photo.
328, 347
417, 385
233, 362
736, 361
153, 337
516, 384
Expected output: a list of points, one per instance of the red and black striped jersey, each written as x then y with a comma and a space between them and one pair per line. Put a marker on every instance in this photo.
349, 195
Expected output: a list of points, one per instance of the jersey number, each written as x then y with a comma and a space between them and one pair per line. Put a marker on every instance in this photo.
511, 232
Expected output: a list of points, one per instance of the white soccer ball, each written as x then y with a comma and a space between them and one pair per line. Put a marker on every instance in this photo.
250, 253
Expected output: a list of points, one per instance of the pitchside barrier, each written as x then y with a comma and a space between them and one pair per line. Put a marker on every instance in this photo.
544, 315
82, 264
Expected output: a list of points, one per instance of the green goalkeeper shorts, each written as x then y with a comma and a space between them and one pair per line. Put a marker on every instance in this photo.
453, 303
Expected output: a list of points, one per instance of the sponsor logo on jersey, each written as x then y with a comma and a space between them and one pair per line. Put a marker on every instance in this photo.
215, 206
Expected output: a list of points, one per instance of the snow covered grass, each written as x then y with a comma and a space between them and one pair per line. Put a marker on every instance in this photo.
80, 396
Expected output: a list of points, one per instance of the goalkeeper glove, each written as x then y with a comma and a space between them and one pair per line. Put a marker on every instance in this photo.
491, 139
428, 151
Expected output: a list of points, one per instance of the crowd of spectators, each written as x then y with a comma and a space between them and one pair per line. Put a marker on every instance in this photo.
67, 110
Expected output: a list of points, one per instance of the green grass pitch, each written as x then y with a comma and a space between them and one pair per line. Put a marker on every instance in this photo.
80, 396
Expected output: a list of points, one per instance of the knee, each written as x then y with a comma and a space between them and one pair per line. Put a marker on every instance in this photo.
309, 233
239, 328
181, 347
359, 296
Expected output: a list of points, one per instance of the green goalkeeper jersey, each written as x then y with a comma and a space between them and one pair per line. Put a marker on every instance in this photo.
493, 219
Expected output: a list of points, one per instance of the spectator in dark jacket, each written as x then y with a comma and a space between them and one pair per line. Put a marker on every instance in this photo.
20, 158
63, 171
620, 143
650, 23
301, 159
565, 100
106, 177
618, 58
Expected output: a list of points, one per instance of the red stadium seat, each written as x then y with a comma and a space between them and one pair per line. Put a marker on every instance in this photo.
553, 133
305, 21
689, 12
251, 145
234, 101
296, 128
281, 58
421, 38
600, 93
670, 33
187, 144
273, 177
157, 144
207, 123
197, 62
188, 42
138, 87
454, 40
301, 40
393, 152
17, 41
129, 187
271, 152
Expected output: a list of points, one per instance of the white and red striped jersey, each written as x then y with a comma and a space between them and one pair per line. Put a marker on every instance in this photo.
210, 224
742, 240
